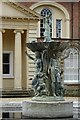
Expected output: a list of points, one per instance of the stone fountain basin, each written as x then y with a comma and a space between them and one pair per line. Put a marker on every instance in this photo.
54, 45
49, 109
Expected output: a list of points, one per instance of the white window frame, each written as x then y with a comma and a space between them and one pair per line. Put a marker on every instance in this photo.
56, 28
48, 24
11, 65
77, 81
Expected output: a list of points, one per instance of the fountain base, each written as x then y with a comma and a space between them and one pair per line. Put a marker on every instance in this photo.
47, 109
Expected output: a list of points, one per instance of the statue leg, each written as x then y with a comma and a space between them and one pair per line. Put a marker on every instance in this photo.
53, 88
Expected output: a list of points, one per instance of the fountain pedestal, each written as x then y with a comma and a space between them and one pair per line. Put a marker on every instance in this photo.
48, 101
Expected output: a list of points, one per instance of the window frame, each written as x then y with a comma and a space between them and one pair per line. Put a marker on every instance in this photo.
10, 75
42, 23
5, 115
61, 28
72, 68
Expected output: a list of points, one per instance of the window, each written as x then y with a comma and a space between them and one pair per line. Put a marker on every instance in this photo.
5, 115
9, 115
71, 67
46, 13
7, 64
58, 28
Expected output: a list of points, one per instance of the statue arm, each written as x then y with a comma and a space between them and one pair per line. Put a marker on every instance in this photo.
29, 55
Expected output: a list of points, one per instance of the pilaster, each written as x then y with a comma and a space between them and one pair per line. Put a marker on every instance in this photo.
67, 21
1, 61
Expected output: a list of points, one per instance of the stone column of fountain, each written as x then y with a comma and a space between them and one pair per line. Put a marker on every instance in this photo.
48, 101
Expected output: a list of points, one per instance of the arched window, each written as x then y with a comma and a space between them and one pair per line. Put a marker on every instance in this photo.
46, 13
71, 67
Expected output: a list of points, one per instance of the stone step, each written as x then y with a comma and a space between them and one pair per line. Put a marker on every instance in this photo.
20, 93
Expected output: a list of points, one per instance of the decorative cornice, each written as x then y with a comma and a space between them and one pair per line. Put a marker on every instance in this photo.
18, 18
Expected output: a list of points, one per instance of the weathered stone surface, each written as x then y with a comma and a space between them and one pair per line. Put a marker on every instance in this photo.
54, 45
42, 109
48, 98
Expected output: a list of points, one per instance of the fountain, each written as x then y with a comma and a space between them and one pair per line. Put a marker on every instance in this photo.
48, 101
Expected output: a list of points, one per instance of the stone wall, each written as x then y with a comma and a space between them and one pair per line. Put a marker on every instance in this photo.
72, 90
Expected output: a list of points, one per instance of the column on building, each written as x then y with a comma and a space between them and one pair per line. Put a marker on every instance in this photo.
27, 65
1, 51
67, 28
18, 60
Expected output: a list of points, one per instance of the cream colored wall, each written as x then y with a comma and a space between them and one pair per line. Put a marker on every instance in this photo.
8, 45
8, 40
57, 14
8, 84
32, 36
10, 11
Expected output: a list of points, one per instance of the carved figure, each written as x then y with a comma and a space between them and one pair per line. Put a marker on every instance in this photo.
56, 77
52, 74
47, 31
59, 89
47, 79
38, 82
39, 85
37, 61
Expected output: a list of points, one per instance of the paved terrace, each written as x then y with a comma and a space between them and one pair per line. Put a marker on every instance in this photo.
17, 105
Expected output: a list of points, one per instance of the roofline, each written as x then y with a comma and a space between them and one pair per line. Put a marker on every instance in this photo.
26, 10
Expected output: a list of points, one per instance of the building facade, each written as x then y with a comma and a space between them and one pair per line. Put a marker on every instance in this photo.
23, 23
